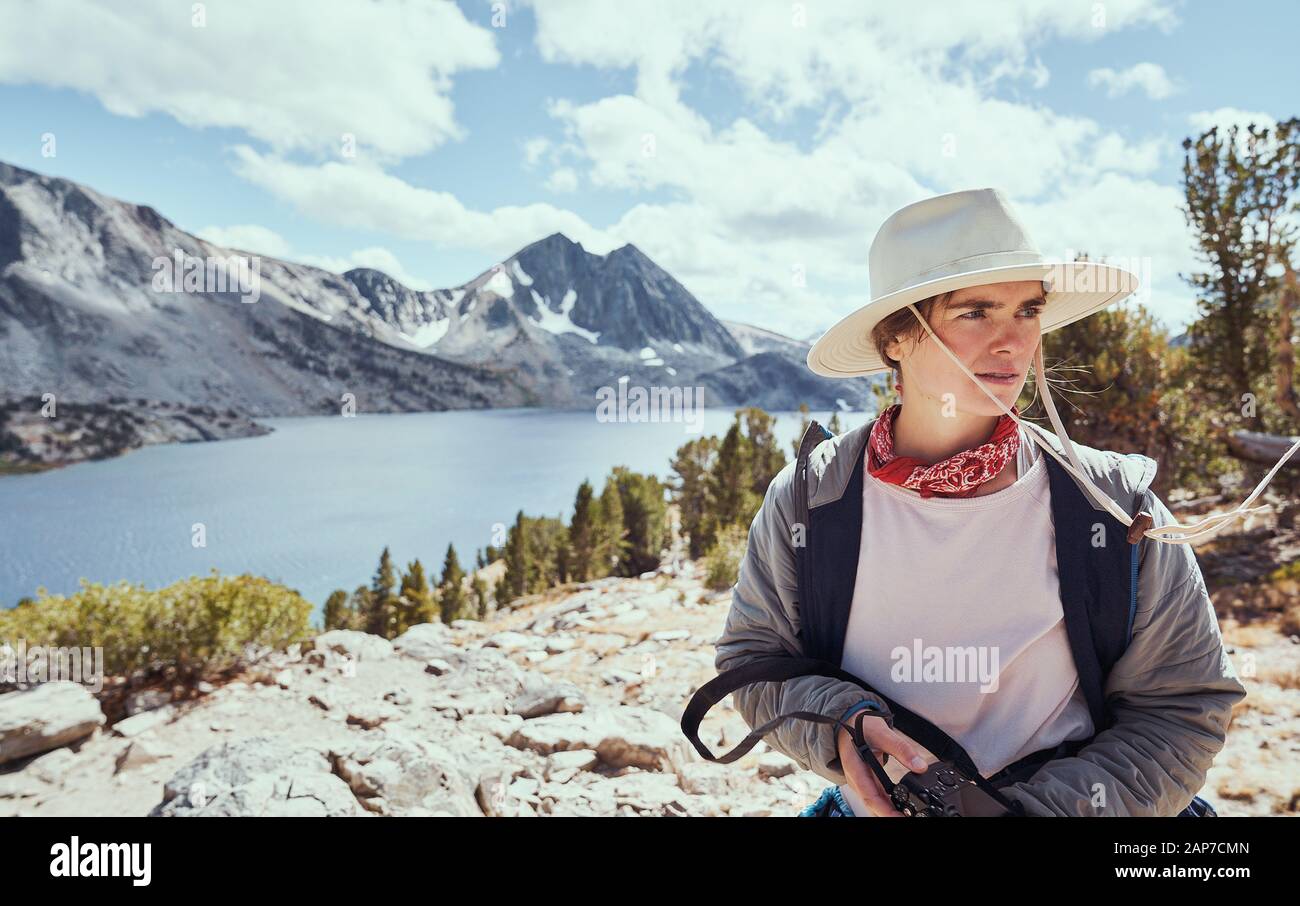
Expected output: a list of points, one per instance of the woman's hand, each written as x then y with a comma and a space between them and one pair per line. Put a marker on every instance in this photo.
882, 739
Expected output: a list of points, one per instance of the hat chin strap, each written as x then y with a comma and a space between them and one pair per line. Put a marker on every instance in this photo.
1173, 533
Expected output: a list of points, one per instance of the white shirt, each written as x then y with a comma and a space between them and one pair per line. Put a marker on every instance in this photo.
957, 615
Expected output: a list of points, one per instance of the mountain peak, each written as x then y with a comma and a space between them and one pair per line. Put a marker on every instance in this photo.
628, 250
555, 241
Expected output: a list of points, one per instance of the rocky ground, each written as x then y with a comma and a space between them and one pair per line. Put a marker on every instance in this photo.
568, 705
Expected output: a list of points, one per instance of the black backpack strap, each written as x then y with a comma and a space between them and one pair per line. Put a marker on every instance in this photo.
781, 668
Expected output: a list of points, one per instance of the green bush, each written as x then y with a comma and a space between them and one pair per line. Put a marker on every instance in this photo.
722, 562
197, 626
1288, 573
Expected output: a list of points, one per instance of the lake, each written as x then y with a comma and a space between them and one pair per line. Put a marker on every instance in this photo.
313, 503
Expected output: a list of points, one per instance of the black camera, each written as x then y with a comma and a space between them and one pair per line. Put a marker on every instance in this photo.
944, 791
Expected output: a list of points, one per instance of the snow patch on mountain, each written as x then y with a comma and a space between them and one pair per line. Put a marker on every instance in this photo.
520, 276
429, 334
501, 284
560, 322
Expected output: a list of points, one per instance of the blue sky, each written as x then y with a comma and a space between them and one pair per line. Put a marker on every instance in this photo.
734, 143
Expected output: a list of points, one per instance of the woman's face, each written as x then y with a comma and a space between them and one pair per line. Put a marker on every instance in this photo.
991, 328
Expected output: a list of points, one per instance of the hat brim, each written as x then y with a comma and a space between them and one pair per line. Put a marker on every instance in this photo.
846, 350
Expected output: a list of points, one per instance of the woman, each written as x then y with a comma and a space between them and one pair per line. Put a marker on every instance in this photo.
941, 589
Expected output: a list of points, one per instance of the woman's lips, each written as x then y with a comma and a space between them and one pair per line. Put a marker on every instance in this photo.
993, 379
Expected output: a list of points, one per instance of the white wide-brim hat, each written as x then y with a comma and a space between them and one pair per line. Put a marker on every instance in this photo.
953, 241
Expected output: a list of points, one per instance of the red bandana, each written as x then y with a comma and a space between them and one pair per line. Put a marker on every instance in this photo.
960, 475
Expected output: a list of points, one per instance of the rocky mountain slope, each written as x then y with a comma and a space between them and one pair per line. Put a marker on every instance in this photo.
83, 314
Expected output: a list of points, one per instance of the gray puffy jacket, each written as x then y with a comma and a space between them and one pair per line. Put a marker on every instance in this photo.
1171, 692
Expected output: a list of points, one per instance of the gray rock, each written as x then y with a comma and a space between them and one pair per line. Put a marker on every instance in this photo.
483, 681
498, 725
52, 767
559, 644
369, 715
424, 642
705, 779
395, 772
257, 776
138, 753
652, 792
147, 700
773, 764
131, 727
618, 677
324, 700
562, 766
46, 717
547, 697
399, 696
622, 736
513, 641
360, 646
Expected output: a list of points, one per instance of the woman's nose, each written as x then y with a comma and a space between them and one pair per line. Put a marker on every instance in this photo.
1011, 339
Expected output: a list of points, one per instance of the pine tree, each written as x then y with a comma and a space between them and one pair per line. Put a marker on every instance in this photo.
416, 600
515, 554
764, 454
582, 535
834, 426
336, 614
1239, 194
645, 520
691, 491
360, 608
380, 617
480, 590
453, 595
731, 480
611, 540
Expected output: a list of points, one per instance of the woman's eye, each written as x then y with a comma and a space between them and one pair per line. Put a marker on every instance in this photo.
977, 314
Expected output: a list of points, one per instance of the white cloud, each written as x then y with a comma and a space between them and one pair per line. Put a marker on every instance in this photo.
1150, 78
363, 196
251, 237
534, 148
247, 237
902, 112
564, 179
292, 73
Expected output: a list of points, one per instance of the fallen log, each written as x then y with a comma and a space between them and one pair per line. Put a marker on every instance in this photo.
1255, 446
